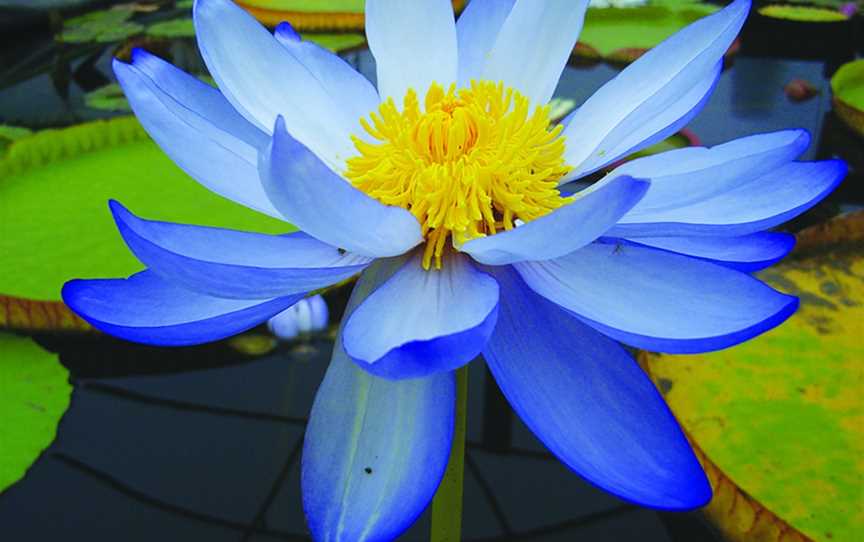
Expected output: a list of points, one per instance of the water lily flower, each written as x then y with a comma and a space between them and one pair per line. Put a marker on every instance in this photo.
440, 188
307, 315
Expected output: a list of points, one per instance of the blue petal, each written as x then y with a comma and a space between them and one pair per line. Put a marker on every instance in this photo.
654, 95
590, 403
327, 207
564, 230
748, 253
657, 300
176, 109
421, 322
533, 66
686, 176
476, 32
234, 264
146, 309
414, 45
375, 451
337, 78
263, 80
758, 205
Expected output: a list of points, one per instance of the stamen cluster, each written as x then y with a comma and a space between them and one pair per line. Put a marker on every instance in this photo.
469, 163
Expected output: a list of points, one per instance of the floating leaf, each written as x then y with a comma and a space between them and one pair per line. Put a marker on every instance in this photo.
104, 26
29, 315
848, 87
779, 420
609, 29
54, 188
8, 134
34, 394
803, 13
107, 98
175, 28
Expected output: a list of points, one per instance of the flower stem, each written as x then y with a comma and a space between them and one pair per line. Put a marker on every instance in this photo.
447, 504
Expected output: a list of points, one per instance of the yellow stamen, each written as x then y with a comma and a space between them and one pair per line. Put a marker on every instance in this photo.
468, 164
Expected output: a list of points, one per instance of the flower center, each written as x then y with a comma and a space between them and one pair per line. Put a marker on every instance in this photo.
469, 164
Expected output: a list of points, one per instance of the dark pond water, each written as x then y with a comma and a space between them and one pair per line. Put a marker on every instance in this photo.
203, 443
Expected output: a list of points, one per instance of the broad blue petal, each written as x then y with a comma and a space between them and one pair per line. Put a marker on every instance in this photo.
327, 207
476, 31
414, 45
564, 230
590, 403
234, 264
654, 95
658, 300
146, 309
197, 128
686, 176
422, 322
263, 81
375, 451
758, 205
533, 45
337, 78
747, 253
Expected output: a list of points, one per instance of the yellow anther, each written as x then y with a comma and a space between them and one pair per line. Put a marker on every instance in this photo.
469, 164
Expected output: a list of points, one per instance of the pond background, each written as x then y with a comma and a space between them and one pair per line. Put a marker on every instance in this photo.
203, 443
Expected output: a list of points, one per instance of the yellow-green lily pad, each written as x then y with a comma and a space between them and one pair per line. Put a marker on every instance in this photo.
782, 416
34, 394
609, 29
805, 14
104, 26
54, 218
848, 88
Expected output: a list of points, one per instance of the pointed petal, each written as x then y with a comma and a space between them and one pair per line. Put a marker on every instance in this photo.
263, 80
653, 97
327, 207
590, 403
146, 309
234, 264
337, 78
375, 451
685, 176
758, 205
422, 322
414, 45
533, 66
224, 155
476, 32
657, 300
748, 253
566, 229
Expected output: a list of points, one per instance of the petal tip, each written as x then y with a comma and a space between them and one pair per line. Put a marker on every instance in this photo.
286, 32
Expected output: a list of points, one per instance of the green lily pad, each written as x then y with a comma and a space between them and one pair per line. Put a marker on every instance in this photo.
8, 134
782, 416
848, 88
610, 29
34, 394
107, 98
105, 26
175, 28
803, 13
54, 188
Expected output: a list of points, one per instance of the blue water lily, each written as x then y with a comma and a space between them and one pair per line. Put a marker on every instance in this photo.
441, 188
